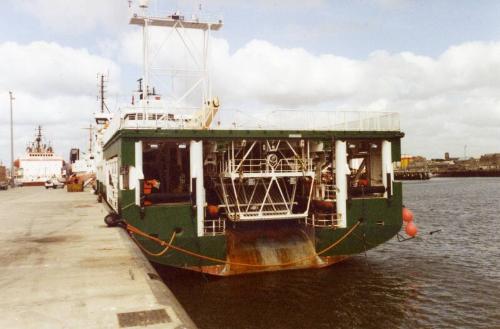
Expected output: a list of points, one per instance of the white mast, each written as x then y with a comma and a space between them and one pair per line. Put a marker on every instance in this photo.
145, 51
198, 76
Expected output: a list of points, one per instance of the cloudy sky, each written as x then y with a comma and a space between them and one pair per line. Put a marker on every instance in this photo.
437, 63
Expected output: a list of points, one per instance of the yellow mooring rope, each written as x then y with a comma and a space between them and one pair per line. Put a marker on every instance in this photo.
168, 245
158, 254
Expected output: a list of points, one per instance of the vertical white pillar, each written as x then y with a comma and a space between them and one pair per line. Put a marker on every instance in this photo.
196, 169
206, 62
341, 172
145, 57
137, 173
387, 165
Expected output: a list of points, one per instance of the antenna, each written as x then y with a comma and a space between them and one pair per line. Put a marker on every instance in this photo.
39, 139
91, 130
102, 92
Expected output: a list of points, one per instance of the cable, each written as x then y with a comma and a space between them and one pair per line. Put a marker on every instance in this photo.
134, 230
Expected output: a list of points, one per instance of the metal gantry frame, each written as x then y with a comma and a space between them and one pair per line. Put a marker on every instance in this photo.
263, 188
203, 113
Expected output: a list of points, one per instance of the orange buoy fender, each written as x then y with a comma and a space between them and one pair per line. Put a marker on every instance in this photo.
363, 182
411, 229
407, 215
213, 210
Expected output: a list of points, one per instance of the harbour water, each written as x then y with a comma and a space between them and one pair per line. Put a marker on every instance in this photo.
449, 279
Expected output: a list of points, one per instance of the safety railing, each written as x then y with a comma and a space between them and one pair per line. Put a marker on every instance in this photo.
213, 227
154, 117
324, 220
330, 192
283, 165
307, 120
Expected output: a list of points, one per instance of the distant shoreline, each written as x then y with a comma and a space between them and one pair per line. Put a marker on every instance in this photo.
468, 173
425, 175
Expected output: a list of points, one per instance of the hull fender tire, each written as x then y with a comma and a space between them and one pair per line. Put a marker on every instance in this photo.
111, 220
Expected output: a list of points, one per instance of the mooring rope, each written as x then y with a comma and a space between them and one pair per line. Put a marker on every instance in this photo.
168, 245
158, 254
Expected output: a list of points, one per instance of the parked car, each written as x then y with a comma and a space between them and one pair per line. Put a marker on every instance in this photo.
53, 183
4, 185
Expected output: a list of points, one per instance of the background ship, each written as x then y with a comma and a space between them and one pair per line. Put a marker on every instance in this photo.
216, 192
39, 163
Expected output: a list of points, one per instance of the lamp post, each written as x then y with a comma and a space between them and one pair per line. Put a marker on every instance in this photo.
11, 142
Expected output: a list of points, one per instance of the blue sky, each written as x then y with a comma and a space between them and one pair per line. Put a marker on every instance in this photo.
347, 28
435, 62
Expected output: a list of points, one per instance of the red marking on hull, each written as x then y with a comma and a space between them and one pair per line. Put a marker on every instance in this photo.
267, 247
221, 270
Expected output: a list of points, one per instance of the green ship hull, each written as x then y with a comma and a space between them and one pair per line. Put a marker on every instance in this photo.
373, 216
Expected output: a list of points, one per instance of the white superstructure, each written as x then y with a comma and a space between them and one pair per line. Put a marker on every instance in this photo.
39, 163
86, 165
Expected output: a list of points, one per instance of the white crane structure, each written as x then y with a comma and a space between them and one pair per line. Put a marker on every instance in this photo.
182, 105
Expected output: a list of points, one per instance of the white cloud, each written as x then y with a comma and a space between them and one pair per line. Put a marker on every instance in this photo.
48, 69
76, 16
445, 101
454, 96
285, 77
393, 4
55, 87
62, 119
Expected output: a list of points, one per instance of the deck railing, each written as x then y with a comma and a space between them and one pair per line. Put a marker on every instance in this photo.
307, 120
284, 165
160, 118
326, 220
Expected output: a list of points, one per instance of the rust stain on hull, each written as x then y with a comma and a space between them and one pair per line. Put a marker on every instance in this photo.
269, 247
221, 270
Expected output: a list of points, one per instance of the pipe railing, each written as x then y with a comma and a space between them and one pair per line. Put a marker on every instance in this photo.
138, 117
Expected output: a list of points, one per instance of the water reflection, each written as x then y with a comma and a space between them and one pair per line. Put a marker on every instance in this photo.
447, 280
351, 294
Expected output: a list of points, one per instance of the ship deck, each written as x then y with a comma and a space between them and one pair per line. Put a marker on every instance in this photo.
61, 267
245, 134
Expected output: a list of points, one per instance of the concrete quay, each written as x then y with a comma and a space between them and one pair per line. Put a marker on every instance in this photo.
61, 267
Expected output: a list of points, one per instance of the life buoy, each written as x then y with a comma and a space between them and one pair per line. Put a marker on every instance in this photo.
213, 211
363, 182
149, 185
